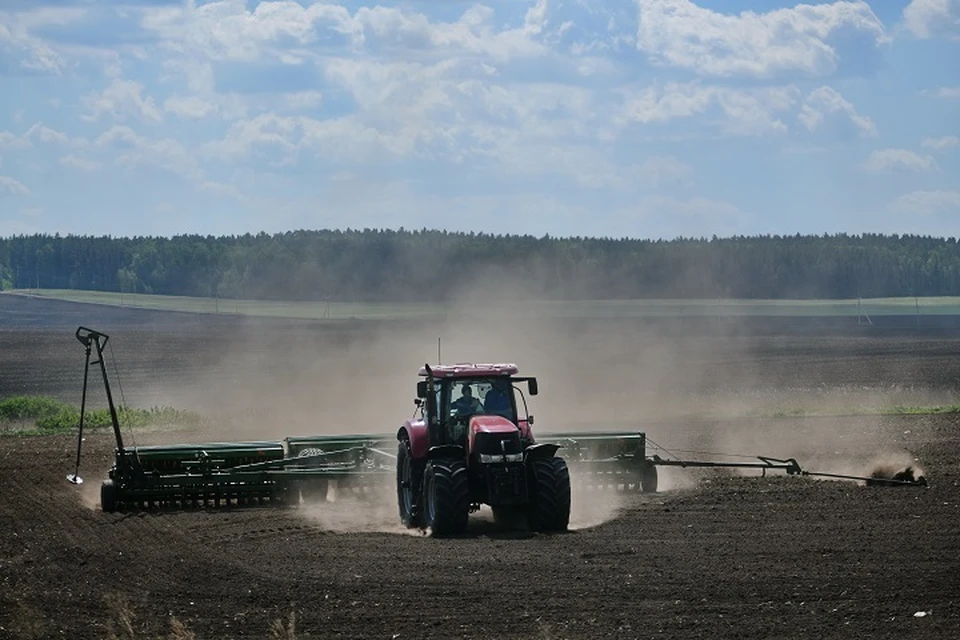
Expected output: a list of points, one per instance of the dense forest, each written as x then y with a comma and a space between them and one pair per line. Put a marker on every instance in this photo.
367, 265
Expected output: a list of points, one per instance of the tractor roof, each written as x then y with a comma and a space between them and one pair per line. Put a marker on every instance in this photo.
470, 369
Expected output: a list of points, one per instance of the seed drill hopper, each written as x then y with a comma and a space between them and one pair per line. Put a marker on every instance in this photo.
470, 443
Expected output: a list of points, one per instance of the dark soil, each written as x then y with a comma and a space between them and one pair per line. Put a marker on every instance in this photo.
712, 555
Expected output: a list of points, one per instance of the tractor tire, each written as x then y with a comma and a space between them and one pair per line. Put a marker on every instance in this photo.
550, 510
409, 482
648, 478
108, 496
446, 497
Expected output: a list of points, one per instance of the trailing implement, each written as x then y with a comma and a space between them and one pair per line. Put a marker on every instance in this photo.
470, 443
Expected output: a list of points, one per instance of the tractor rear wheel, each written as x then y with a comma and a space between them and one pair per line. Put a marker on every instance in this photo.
409, 481
446, 497
550, 510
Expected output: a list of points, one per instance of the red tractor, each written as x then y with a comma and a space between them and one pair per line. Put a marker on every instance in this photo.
470, 446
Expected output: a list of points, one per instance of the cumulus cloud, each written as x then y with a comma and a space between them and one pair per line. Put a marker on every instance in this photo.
928, 202
941, 144
188, 107
12, 187
286, 31
9, 140
42, 133
595, 107
891, 160
826, 110
945, 93
799, 39
744, 111
933, 18
23, 52
119, 100
129, 149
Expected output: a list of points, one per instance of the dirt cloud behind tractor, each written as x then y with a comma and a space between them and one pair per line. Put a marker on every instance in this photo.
276, 379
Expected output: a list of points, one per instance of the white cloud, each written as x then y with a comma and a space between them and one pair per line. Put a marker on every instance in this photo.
45, 134
680, 33
10, 140
928, 202
745, 111
826, 110
25, 52
933, 18
941, 144
303, 100
79, 162
945, 93
569, 110
120, 99
188, 107
129, 149
11, 187
226, 30
888, 160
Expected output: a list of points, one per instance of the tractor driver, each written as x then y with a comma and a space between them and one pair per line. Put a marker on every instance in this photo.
466, 404
496, 402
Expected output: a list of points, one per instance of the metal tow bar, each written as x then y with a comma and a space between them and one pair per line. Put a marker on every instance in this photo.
792, 467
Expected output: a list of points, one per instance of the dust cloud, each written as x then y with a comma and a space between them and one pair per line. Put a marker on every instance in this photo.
697, 395
344, 511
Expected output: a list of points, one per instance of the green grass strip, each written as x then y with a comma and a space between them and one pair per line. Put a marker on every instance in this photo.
43, 415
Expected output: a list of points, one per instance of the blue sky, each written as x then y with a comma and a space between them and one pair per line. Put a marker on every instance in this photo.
639, 118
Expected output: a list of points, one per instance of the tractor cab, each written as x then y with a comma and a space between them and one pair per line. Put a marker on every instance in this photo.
452, 395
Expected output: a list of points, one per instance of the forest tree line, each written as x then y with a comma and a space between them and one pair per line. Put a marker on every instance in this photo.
402, 265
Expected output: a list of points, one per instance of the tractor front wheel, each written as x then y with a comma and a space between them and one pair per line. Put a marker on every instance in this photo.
446, 497
409, 480
550, 510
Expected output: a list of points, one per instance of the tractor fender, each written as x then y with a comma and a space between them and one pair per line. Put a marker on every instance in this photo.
542, 450
416, 433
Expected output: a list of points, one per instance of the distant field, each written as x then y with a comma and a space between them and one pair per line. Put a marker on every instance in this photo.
340, 310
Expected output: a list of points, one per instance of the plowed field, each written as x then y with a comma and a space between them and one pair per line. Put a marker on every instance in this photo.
711, 555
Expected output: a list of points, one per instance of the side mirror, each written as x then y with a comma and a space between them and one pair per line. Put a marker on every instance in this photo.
530, 420
532, 386
422, 389
417, 401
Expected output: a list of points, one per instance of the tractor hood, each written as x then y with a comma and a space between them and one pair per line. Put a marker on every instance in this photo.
491, 424
491, 428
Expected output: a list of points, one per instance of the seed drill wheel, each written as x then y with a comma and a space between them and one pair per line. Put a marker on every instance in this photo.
648, 479
409, 482
108, 496
550, 510
446, 497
